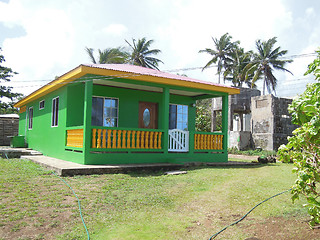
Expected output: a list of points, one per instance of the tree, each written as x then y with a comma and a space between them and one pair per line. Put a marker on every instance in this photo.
221, 54
6, 92
267, 59
109, 55
142, 55
237, 69
303, 147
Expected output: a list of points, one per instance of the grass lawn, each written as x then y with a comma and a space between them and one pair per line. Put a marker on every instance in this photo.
35, 204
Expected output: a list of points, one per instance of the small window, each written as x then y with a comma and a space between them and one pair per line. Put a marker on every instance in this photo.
178, 117
55, 112
30, 118
104, 112
41, 105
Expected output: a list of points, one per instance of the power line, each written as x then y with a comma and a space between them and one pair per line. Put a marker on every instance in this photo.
178, 69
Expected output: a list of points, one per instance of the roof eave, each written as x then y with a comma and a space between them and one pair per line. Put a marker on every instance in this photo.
82, 70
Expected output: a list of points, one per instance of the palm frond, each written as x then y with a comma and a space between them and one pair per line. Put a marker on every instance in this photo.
90, 53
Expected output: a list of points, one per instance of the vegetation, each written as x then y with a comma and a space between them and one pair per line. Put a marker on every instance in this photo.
35, 204
303, 148
255, 152
265, 61
140, 54
247, 67
6, 92
222, 53
237, 71
203, 116
109, 55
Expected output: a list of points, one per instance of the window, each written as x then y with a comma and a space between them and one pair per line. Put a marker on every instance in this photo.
55, 112
30, 116
178, 117
41, 105
104, 112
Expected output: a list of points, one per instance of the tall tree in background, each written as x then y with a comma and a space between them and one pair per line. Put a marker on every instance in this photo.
221, 55
142, 55
237, 69
109, 55
267, 59
6, 92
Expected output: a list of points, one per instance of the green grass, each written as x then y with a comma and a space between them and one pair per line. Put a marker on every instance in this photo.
146, 205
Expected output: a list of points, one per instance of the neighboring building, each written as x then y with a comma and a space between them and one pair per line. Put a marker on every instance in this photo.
239, 129
9, 124
123, 114
257, 121
271, 122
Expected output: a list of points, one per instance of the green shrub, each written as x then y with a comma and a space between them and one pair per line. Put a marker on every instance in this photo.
303, 147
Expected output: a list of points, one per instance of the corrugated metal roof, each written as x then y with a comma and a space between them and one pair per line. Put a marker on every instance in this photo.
129, 72
133, 69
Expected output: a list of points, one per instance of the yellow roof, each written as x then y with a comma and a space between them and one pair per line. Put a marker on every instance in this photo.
121, 71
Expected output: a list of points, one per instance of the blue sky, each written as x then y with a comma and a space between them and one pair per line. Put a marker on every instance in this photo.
44, 39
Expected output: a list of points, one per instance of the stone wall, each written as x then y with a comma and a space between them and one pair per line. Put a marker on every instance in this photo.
270, 122
9, 125
240, 140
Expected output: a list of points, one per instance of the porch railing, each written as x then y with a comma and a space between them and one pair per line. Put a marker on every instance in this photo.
126, 139
74, 138
208, 141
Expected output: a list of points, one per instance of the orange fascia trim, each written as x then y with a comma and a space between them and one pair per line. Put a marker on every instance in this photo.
23, 109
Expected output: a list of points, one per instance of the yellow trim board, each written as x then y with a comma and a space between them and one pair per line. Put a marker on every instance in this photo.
83, 70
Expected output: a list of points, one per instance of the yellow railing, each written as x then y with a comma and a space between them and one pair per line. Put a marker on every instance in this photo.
75, 138
204, 141
125, 139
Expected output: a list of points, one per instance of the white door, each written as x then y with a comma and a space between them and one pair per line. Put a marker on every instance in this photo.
178, 140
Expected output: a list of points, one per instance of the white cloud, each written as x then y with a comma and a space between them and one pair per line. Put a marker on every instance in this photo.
115, 29
47, 45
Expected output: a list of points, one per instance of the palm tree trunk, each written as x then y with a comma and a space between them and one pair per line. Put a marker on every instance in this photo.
264, 83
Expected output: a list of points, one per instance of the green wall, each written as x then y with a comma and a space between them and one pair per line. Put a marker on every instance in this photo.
43, 137
75, 98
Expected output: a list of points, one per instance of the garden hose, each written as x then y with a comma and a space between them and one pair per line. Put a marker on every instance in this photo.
78, 203
216, 234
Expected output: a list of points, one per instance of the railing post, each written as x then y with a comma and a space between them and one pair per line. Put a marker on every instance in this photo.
87, 120
225, 104
165, 118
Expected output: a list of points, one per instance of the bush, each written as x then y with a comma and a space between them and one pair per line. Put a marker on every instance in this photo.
303, 147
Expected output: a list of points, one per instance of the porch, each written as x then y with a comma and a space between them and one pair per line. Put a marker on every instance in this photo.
136, 121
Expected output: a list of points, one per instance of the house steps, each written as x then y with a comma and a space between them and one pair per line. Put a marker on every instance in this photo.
8, 152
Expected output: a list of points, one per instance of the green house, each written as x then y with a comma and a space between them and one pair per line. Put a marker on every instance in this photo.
122, 114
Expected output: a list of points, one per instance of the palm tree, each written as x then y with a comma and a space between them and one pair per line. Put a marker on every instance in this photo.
109, 55
141, 54
236, 70
221, 53
265, 61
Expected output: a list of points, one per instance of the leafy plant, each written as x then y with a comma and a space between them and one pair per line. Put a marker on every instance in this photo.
203, 116
303, 147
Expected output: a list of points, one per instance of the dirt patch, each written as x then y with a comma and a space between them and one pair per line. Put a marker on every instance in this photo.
281, 228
